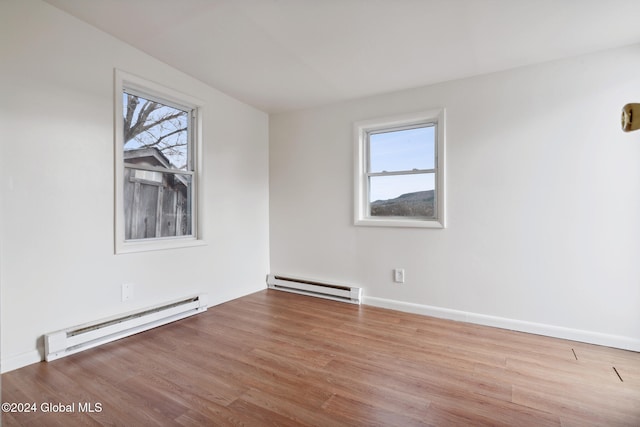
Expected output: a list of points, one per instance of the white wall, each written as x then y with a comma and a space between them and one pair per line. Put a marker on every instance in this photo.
543, 202
58, 267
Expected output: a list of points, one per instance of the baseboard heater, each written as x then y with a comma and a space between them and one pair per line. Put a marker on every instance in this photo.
315, 288
83, 337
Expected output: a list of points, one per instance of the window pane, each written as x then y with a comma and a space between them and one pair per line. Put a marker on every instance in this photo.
402, 195
402, 150
159, 129
156, 204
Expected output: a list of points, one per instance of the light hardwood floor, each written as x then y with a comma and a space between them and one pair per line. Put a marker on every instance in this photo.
274, 358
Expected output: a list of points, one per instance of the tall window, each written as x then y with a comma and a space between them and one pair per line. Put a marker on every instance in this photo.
400, 171
156, 149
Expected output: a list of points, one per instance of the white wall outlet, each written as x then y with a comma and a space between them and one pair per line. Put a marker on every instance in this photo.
127, 292
398, 275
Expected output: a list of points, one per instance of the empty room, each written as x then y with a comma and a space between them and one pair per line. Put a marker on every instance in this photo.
320, 212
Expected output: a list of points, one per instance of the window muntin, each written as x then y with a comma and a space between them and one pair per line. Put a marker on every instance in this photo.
158, 167
400, 171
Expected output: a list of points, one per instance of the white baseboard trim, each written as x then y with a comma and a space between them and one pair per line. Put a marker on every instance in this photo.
617, 341
19, 361
626, 343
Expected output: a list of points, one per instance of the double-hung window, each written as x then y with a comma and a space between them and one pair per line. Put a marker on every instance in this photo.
400, 171
156, 166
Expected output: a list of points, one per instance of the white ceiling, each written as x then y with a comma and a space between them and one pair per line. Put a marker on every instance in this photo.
281, 55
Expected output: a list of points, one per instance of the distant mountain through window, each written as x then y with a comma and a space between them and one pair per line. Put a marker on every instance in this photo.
417, 204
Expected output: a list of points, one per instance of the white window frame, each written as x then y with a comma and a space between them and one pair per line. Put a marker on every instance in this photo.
122, 81
361, 180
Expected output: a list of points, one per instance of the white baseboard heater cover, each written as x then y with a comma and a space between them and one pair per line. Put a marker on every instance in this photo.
83, 337
315, 288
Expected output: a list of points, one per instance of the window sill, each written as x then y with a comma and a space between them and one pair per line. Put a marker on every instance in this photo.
157, 245
403, 223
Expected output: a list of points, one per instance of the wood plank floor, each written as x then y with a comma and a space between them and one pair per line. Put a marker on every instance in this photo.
279, 359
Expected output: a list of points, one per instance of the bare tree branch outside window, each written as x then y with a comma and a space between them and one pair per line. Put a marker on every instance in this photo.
149, 124
158, 174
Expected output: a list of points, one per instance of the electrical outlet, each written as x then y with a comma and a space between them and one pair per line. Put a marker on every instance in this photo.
127, 292
398, 275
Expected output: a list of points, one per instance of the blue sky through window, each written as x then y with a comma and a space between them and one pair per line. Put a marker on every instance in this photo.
401, 150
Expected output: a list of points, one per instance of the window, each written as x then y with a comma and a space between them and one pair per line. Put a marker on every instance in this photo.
157, 142
400, 171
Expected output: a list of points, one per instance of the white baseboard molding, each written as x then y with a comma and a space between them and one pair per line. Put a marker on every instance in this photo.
20, 361
626, 343
616, 341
